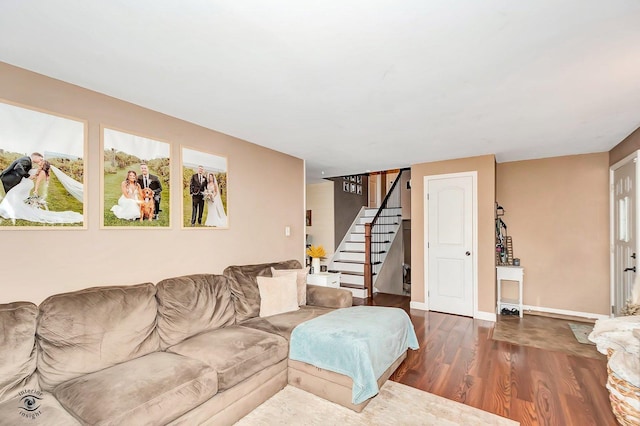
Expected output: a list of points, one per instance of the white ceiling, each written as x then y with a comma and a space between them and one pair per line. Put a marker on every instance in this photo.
354, 85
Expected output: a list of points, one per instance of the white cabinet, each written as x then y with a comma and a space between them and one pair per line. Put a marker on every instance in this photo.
510, 273
325, 279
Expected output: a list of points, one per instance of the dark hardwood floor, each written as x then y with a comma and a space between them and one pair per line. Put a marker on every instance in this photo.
458, 360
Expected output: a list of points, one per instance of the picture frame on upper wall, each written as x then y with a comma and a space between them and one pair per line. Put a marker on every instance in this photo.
346, 186
353, 188
359, 189
204, 190
308, 218
136, 177
42, 169
359, 179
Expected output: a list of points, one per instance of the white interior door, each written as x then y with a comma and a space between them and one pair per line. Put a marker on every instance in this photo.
624, 233
449, 238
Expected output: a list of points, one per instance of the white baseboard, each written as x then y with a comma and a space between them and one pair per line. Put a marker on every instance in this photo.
588, 315
485, 316
418, 305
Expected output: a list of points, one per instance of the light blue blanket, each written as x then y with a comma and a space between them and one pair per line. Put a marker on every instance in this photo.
360, 342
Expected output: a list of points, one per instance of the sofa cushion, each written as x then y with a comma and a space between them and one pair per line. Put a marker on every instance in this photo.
278, 294
235, 352
153, 389
301, 281
283, 324
95, 328
244, 287
17, 347
192, 304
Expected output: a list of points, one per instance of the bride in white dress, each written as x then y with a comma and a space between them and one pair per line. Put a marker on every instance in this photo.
216, 215
128, 206
18, 203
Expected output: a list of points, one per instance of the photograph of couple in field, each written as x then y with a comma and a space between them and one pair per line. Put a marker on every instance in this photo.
136, 181
42, 169
204, 182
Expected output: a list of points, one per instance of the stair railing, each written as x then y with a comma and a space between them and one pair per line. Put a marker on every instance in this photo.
378, 232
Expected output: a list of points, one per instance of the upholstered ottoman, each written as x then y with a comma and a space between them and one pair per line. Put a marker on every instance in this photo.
346, 355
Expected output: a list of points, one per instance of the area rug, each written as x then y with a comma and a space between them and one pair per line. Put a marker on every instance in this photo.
582, 331
396, 404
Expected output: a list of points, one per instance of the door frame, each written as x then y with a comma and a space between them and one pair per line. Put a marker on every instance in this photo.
474, 232
634, 156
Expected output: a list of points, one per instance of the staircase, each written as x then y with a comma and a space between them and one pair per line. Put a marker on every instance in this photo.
349, 257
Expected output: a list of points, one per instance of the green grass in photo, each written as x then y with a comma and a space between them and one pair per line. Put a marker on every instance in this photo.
58, 200
112, 193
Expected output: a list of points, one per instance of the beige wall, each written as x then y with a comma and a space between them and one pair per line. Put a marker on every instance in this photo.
320, 202
485, 166
557, 211
266, 193
630, 144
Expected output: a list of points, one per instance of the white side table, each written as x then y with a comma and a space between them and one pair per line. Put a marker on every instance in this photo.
511, 273
325, 279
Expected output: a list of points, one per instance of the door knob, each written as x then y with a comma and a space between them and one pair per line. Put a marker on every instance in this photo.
630, 269
468, 253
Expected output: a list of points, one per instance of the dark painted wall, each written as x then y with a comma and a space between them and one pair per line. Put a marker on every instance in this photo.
347, 205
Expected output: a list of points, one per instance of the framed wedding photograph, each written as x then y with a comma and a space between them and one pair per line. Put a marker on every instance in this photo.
359, 189
359, 179
204, 190
345, 186
353, 188
135, 181
42, 169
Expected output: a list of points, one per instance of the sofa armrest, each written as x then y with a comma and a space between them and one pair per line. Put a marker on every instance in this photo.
328, 297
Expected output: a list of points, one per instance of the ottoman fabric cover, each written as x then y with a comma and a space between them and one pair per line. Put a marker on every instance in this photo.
151, 390
235, 352
17, 347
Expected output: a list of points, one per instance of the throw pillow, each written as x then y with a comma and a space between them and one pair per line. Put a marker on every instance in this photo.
278, 294
301, 280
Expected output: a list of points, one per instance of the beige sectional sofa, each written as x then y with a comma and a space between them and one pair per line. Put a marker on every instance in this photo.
188, 350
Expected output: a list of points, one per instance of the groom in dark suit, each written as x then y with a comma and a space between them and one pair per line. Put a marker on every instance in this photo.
152, 182
196, 188
12, 175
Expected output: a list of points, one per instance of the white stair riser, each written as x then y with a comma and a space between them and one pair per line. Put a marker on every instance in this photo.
357, 292
351, 267
370, 212
354, 246
357, 257
359, 229
356, 238
351, 279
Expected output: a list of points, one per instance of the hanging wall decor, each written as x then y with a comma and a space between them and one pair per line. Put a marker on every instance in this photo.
204, 190
42, 169
135, 181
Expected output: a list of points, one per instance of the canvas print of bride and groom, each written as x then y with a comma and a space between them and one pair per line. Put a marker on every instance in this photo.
41, 169
204, 184
136, 180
